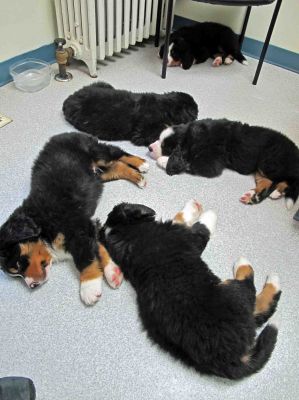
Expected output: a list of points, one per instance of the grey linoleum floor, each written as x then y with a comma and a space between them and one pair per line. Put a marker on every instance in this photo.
73, 352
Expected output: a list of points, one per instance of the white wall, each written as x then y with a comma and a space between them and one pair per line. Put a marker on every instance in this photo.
25, 25
286, 31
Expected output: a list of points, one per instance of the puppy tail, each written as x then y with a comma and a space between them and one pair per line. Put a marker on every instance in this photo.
257, 357
292, 193
239, 57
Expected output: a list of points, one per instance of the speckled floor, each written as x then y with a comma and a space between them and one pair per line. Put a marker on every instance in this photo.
73, 352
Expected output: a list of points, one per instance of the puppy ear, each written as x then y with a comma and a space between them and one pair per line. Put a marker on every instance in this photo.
137, 212
187, 60
176, 163
17, 228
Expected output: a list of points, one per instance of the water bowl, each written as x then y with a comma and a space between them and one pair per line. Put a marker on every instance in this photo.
31, 75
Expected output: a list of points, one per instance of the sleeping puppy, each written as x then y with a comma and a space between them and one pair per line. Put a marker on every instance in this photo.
207, 323
54, 221
208, 146
112, 114
196, 43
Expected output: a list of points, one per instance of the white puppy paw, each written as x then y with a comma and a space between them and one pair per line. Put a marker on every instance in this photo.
144, 167
228, 61
113, 275
209, 219
276, 194
191, 212
91, 291
142, 182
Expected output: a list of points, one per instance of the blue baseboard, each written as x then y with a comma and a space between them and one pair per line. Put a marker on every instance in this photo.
251, 47
44, 53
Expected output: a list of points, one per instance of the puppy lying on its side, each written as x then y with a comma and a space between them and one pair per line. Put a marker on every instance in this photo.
207, 323
196, 43
112, 114
207, 147
55, 220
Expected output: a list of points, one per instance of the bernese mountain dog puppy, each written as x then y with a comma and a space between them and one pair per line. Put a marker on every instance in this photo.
207, 146
112, 114
54, 221
207, 323
196, 43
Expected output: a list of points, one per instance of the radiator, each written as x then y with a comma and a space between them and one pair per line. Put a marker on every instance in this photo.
97, 29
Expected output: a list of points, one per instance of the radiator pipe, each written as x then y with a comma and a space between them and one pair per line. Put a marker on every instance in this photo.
63, 58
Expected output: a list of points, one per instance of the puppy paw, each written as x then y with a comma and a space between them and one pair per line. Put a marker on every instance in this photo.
209, 219
91, 291
141, 182
113, 275
217, 62
191, 212
242, 269
275, 195
144, 167
247, 198
162, 162
228, 61
273, 279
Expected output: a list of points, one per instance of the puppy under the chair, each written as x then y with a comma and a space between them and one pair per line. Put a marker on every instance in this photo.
54, 221
196, 43
207, 323
112, 114
207, 147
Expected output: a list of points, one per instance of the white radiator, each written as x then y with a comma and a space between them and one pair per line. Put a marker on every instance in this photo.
96, 29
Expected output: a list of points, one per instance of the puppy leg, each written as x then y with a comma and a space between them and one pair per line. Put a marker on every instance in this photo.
136, 162
91, 278
189, 214
243, 270
264, 188
266, 301
202, 223
120, 170
279, 190
112, 272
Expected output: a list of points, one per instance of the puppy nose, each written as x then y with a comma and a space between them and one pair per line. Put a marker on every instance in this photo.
150, 147
34, 285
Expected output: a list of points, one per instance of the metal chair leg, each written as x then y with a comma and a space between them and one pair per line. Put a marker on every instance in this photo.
266, 44
158, 24
167, 36
246, 18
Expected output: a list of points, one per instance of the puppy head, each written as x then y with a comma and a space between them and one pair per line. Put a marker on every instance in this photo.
179, 53
22, 252
168, 149
129, 214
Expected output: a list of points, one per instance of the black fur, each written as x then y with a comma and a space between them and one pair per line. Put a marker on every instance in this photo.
207, 147
112, 114
64, 194
203, 40
183, 306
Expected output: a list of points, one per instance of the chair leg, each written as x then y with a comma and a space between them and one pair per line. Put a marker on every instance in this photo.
167, 36
266, 44
246, 18
158, 24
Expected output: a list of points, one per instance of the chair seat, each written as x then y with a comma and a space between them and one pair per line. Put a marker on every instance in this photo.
237, 2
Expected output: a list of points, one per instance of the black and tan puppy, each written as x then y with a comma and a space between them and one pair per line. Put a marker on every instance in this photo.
54, 221
112, 114
207, 323
207, 147
196, 43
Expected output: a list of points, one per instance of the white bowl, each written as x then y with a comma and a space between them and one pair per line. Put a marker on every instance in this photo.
31, 75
